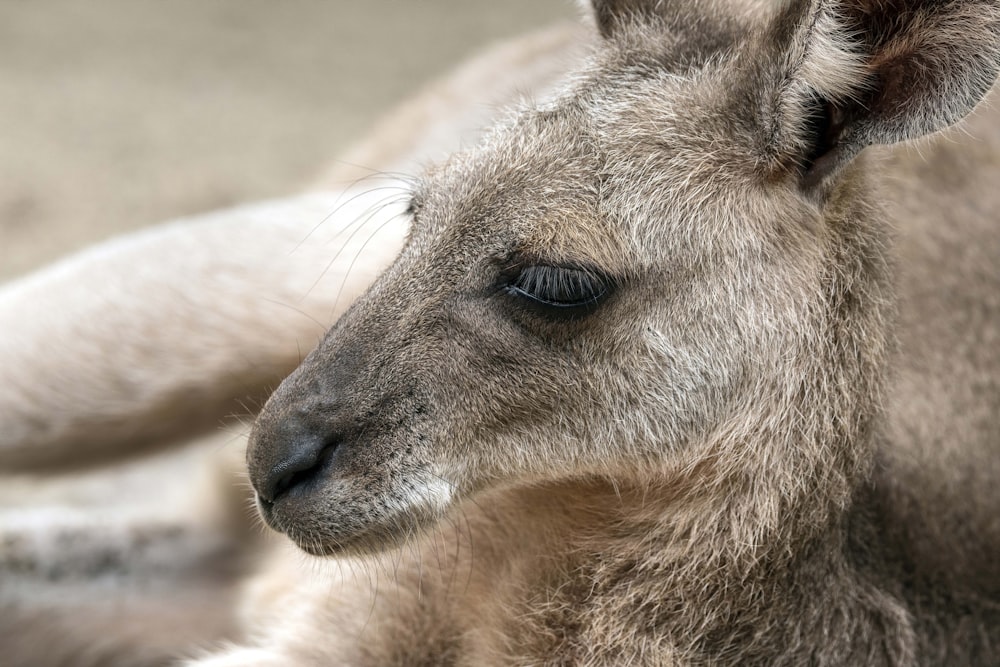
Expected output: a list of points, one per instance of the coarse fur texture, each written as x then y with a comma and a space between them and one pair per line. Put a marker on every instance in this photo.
688, 362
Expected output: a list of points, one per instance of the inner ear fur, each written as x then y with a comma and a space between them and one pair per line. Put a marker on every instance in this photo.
858, 72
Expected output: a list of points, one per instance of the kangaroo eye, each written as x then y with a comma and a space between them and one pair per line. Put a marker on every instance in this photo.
556, 291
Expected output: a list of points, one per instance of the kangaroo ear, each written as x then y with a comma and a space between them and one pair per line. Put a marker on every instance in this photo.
862, 72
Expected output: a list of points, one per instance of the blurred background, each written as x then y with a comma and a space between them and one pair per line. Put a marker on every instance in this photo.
124, 113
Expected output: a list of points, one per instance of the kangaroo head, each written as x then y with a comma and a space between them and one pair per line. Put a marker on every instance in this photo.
676, 265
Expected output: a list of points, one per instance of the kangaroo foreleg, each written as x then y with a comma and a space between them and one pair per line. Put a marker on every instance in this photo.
167, 332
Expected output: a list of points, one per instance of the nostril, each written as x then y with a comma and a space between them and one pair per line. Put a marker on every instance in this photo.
285, 482
305, 462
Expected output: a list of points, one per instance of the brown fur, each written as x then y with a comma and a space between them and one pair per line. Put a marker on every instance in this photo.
772, 442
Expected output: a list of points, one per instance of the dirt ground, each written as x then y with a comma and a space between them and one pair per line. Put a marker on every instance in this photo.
123, 113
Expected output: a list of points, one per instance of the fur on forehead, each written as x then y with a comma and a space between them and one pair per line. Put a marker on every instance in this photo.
581, 179
602, 176
532, 187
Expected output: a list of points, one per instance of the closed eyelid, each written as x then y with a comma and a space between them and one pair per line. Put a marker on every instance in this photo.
559, 292
558, 281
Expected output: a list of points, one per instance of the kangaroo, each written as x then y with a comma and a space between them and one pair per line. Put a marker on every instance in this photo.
690, 363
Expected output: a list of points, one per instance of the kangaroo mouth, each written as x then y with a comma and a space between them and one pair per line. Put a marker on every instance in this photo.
334, 510
323, 539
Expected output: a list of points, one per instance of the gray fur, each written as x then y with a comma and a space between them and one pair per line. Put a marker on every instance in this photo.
773, 441
727, 453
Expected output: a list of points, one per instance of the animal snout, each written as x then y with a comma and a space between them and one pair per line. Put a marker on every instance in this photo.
288, 455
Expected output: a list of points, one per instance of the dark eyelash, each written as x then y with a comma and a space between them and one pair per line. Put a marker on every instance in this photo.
559, 292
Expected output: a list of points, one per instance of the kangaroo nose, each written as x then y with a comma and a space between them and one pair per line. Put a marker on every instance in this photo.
286, 456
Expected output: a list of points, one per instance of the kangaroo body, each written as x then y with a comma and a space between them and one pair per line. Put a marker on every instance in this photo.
688, 363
